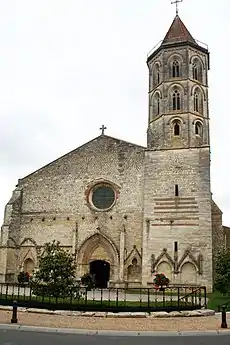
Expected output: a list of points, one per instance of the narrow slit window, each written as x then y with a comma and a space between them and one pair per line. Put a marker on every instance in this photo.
175, 247
158, 75
198, 129
196, 102
176, 190
158, 105
176, 129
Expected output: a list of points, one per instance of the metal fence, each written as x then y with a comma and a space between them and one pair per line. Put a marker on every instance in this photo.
111, 299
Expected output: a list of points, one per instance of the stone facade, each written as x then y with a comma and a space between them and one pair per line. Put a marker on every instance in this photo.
161, 217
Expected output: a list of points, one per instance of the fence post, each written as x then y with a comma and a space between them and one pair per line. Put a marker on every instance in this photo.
223, 318
14, 313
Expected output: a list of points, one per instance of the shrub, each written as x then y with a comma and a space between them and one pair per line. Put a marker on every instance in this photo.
88, 280
222, 270
55, 276
23, 277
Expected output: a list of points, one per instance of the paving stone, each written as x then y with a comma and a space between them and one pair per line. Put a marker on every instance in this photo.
125, 315
194, 313
175, 314
206, 312
139, 314
40, 311
159, 314
88, 313
112, 315
100, 314
5, 307
185, 313
67, 312
22, 309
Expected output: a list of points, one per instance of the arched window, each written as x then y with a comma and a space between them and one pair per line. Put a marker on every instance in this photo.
176, 129
176, 100
175, 69
156, 104
198, 101
197, 70
156, 75
198, 129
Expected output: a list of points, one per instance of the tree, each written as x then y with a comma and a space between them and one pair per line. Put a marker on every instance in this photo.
55, 276
222, 270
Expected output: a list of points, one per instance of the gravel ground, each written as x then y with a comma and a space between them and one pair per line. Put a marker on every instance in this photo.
122, 324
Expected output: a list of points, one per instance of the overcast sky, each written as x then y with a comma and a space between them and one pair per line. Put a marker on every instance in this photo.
69, 66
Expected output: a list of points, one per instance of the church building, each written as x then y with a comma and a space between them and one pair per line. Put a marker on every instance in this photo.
126, 211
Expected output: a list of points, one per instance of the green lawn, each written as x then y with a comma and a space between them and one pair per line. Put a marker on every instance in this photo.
82, 304
160, 293
215, 299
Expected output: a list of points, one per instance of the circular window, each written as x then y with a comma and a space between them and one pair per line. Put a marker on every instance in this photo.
103, 197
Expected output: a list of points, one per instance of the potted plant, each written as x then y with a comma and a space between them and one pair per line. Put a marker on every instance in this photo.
161, 281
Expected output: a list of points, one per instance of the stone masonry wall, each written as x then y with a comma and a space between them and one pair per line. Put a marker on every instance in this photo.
54, 202
185, 219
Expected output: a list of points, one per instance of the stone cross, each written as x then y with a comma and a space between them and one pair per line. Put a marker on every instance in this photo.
103, 129
176, 2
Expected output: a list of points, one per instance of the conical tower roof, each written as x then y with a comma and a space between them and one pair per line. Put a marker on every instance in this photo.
178, 33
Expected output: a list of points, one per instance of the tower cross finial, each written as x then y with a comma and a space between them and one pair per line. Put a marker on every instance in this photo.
176, 2
103, 129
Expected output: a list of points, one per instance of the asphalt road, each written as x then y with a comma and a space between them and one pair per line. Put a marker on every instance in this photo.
17, 337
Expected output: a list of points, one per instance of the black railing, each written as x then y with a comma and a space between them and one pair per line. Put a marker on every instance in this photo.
112, 299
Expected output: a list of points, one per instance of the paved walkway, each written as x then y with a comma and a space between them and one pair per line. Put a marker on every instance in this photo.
116, 324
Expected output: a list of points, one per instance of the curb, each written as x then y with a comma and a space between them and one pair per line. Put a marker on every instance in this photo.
159, 314
113, 333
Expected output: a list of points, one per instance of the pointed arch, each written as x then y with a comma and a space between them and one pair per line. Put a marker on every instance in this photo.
175, 69
164, 256
176, 96
176, 127
199, 128
156, 74
197, 68
156, 103
30, 241
28, 266
174, 63
198, 101
92, 243
188, 273
189, 257
165, 267
134, 254
12, 243
176, 100
29, 254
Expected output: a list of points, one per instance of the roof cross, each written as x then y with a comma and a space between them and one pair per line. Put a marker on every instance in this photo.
103, 129
176, 2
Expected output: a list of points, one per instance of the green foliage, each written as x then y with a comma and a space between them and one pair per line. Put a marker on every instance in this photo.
88, 280
160, 280
55, 276
222, 268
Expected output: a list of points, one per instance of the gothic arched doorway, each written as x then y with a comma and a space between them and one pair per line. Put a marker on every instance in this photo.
98, 248
101, 271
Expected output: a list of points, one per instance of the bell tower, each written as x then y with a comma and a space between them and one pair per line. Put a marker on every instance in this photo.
178, 91
177, 195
